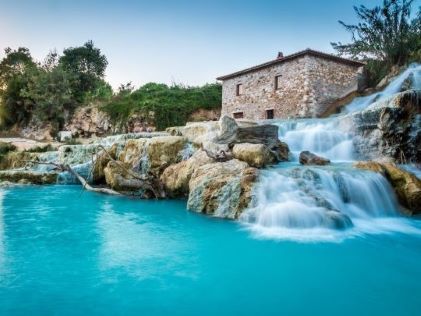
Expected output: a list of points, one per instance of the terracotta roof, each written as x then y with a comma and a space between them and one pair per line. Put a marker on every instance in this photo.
293, 56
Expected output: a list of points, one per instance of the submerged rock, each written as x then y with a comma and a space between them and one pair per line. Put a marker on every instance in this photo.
406, 185
222, 189
308, 158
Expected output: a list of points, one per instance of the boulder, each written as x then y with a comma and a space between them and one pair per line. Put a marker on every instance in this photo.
222, 189
198, 133
134, 154
256, 155
101, 162
175, 178
390, 128
122, 181
281, 150
232, 133
308, 158
406, 185
163, 151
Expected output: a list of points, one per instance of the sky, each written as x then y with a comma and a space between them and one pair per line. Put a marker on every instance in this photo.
181, 41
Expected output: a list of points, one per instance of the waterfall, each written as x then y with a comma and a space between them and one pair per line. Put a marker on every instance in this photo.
323, 204
321, 136
412, 73
330, 202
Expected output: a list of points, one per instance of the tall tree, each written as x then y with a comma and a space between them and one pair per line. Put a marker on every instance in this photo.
385, 33
15, 71
51, 92
87, 64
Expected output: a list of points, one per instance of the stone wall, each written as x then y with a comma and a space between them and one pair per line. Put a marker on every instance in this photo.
307, 86
329, 81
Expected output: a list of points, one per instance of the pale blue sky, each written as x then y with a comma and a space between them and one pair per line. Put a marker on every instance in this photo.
191, 42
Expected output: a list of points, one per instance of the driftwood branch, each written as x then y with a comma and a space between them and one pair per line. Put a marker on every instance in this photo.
87, 186
84, 183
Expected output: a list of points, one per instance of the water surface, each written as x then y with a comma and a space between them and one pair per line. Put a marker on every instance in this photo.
68, 252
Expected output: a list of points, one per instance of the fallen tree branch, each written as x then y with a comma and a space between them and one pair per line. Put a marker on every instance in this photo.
87, 186
82, 181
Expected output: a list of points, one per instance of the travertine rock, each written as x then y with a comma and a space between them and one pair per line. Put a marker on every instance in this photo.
222, 189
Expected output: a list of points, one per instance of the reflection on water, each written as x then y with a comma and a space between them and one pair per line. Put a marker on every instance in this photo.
142, 248
2, 235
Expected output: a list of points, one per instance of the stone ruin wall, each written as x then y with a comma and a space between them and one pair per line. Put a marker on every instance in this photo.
307, 86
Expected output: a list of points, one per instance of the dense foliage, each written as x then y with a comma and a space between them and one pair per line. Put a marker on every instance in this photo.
163, 105
385, 36
49, 91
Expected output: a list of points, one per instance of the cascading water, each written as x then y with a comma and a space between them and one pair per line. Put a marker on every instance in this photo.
329, 202
412, 74
321, 136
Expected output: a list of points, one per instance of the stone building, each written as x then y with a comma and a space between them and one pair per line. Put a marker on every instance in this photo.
304, 84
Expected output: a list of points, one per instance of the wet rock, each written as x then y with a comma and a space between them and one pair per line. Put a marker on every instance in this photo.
134, 154
119, 178
17, 159
390, 129
232, 133
176, 177
281, 150
308, 158
222, 189
28, 177
406, 185
256, 155
77, 154
338, 220
101, 161
163, 151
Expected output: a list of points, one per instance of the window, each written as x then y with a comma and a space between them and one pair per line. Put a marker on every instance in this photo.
270, 114
239, 89
238, 115
278, 82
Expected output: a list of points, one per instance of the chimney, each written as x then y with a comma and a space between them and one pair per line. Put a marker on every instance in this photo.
280, 55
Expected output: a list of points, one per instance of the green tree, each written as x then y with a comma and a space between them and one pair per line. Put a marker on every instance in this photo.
87, 64
385, 33
16, 69
51, 94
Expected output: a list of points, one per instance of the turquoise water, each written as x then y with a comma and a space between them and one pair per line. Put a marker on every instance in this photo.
68, 252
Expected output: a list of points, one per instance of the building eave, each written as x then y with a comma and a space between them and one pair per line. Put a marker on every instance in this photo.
312, 52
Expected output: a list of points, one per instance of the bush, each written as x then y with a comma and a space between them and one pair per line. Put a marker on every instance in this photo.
162, 105
41, 149
6, 147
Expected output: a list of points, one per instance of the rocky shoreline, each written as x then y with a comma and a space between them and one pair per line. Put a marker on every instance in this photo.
216, 165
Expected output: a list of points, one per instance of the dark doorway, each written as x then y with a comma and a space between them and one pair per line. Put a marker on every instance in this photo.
238, 115
270, 114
